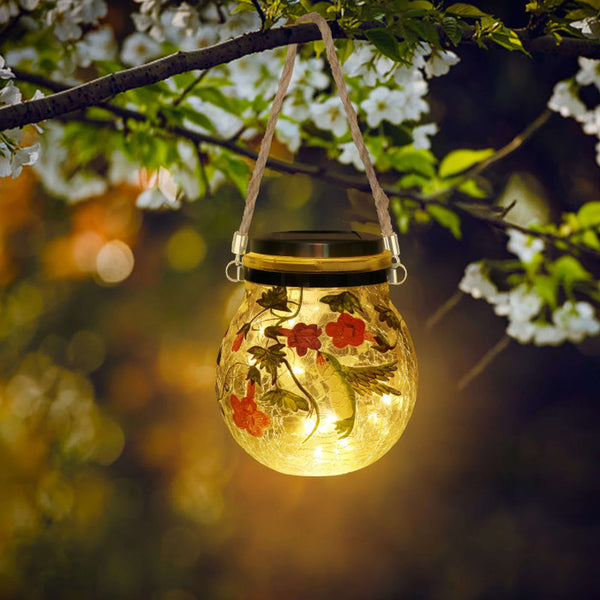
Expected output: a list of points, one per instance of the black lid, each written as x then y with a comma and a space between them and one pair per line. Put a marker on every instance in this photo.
326, 244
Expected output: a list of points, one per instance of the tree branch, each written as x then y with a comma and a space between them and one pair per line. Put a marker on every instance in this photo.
493, 216
98, 90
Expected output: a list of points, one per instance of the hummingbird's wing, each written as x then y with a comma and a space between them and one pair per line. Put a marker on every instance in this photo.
369, 380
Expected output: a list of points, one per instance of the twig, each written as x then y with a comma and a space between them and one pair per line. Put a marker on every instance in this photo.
443, 310
261, 13
513, 145
485, 360
189, 88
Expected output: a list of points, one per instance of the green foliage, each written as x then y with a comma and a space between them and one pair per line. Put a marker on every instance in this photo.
269, 358
459, 161
286, 400
343, 302
275, 299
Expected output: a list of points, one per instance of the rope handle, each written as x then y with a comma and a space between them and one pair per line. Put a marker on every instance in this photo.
240, 237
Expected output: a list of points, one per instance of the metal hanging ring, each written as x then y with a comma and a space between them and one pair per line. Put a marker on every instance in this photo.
238, 273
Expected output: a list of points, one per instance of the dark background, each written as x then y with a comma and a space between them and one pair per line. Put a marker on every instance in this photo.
491, 492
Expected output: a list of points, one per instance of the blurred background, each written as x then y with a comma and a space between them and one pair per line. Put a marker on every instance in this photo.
118, 478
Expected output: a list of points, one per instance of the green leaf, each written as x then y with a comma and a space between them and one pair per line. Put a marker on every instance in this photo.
345, 48
388, 316
567, 270
385, 42
589, 214
286, 400
507, 38
471, 188
452, 30
409, 160
235, 169
465, 10
268, 359
272, 332
547, 289
275, 299
446, 217
254, 375
461, 160
344, 302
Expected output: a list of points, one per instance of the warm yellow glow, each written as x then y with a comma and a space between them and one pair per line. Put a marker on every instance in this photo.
317, 381
114, 262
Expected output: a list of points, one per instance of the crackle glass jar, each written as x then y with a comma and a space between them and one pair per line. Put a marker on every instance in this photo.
317, 374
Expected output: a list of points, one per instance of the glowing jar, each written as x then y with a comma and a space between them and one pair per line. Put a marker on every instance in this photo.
316, 374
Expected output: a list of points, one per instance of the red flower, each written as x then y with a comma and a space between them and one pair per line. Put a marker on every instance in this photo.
347, 331
302, 337
240, 337
246, 414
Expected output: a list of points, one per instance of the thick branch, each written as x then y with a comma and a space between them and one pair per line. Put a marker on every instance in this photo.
103, 88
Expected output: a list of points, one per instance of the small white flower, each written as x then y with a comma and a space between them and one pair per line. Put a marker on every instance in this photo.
330, 116
526, 247
577, 319
96, 45
350, 155
89, 11
8, 9
476, 283
565, 102
588, 72
5, 72
139, 48
548, 335
590, 121
226, 124
589, 27
521, 330
10, 94
186, 18
64, 22
288, 132
421, 136
29, 4
520, 304
384, 104
440, 62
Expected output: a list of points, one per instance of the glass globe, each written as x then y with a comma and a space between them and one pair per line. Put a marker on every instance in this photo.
316, 374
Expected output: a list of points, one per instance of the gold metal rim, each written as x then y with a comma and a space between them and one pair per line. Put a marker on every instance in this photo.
297, 264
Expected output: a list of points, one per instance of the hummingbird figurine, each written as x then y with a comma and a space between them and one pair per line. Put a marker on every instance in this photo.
346, 382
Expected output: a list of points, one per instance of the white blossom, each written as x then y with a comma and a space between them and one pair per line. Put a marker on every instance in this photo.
421, 136
565, 101
526, 247
139, 48
88, 11
590, 121
588, 72
440, 62
548, 335
330, 116
522, 331
384, 104
5, 72
476, 283
288, 132
10, 94
589, 27
64, 22
351, 156
577, 319
520, 304
99, 44
8, 9
226, 124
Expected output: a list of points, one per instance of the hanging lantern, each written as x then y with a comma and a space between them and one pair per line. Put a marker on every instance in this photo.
317, 374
